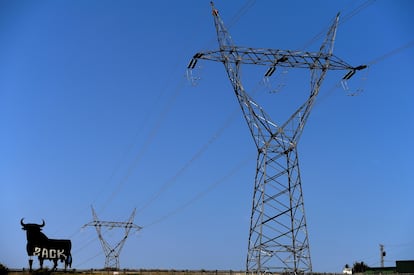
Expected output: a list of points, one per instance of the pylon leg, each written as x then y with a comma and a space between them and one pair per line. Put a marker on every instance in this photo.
278, 239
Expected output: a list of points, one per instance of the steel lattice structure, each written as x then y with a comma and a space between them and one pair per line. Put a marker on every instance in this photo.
278, 238
112, 252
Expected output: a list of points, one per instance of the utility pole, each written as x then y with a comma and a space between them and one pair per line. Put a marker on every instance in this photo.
278, 236
112, 252
382, 254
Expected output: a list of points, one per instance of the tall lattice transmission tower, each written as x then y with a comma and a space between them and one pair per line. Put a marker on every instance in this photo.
278, 237
112, 251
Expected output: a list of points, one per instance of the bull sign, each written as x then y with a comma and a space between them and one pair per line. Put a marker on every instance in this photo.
43, 248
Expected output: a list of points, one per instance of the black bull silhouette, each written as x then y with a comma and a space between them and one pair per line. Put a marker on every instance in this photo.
44, 248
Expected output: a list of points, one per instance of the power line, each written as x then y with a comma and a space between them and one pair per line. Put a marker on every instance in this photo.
86, 244
155, 129
215, 136
243, 10
150, 138
391, 53
201, 194
91, 258
375, 61
194, 158
143, 149
356, 11
345, 18
148, 141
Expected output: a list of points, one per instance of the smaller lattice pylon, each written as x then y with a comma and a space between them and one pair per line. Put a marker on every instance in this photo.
112, 252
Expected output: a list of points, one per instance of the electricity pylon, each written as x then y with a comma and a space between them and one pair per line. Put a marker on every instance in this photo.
112, 252
278, 237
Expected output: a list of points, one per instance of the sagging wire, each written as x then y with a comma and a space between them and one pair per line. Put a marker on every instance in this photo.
342, 21
203, 193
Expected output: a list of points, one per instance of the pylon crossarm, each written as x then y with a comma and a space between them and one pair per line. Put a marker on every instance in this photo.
273, 58
113, 224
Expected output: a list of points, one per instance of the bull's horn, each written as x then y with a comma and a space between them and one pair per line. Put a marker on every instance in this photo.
21, 222
43, 224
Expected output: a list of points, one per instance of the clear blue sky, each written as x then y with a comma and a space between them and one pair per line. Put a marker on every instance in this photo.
95, 110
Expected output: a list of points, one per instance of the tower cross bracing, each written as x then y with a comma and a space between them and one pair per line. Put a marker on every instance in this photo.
278, 238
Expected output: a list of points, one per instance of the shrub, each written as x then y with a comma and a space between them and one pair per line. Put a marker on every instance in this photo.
3, 269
